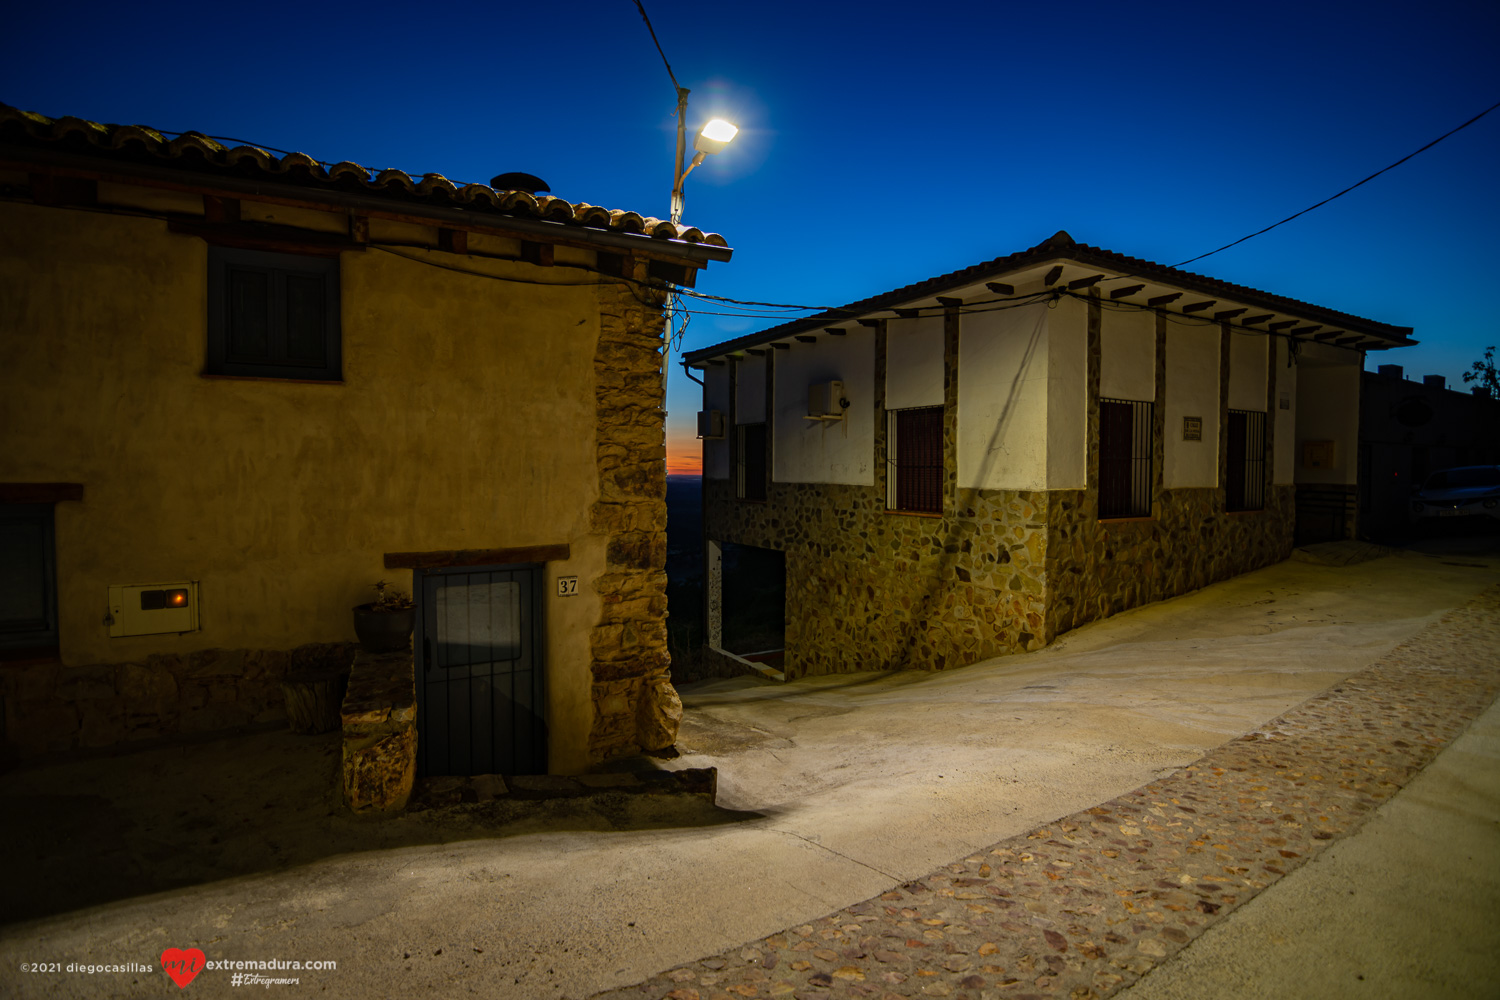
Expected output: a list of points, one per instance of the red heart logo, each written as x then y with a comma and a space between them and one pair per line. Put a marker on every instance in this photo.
182, 965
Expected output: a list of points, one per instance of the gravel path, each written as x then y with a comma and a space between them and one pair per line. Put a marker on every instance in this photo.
1088, 904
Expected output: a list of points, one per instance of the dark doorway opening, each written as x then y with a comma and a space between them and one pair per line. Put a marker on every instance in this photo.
754, 615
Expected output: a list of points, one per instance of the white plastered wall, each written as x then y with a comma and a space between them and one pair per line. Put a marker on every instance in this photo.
750, 390
914, 362
1002, 399
1284, 469
1067, 394
1328, 410
1192, 391
816, 451
1127, 354
1247, 370
716, 397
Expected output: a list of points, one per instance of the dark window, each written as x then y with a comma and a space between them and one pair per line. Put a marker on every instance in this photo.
1124, 458
752, 462
28, 578
273, 315
1245, 475
914, 442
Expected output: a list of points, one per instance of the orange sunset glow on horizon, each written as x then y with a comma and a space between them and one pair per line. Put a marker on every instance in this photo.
684, 457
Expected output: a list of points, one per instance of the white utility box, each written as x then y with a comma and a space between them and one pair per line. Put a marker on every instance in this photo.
153, 608
825, 401
710, 425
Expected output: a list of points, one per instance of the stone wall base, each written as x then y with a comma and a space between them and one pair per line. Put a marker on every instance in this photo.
53, 707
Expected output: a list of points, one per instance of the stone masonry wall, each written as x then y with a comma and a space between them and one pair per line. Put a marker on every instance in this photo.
635, 705
869, 589
50, 707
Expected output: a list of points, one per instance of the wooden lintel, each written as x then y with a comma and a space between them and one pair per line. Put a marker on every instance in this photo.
359, 228
834, 331
1250, 320
949, 303
782, 346
1193, 307
221, 209
40, 492
1000, 288
1303, 331
476, 557
1086, 282
1120, 293
1224, 314
263, 236
62, 189
1052, 276
1285, 324
539, 254
907, 313
1161, 300
807, 338
453, 240
871, 323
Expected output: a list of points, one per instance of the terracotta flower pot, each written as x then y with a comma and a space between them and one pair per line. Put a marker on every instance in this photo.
383, 631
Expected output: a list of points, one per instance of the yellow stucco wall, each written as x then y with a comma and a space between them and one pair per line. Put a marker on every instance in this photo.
466, 420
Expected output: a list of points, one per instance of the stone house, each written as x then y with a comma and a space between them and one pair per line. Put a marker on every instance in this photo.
976, 463
1409, 429
239, 388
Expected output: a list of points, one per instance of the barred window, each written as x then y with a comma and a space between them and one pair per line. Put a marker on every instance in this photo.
1245, 477
1124, 458
750, 470
914, 460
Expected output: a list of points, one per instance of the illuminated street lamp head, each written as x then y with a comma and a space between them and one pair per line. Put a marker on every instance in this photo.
714, 136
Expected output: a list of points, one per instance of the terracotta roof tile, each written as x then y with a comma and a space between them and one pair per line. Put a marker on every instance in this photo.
1061, 247
196, 152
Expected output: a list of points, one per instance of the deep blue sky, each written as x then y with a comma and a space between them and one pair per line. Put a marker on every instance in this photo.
883, 142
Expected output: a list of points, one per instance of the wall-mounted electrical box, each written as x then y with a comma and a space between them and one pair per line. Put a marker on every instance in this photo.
710, 425
153, 608
825, 401
1317, 454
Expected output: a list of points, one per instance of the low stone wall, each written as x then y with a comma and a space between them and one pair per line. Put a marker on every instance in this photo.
52, 707
380, 733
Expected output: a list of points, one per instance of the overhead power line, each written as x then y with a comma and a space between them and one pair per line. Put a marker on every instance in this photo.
642, 8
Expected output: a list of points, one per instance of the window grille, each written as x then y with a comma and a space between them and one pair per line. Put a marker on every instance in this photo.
1245, 476
1124, 458
751, 464
914, 460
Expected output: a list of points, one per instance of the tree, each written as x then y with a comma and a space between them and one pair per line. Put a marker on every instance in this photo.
1484, 373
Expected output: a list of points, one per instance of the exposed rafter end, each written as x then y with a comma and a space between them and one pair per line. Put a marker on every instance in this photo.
1303, 331
1193, 307
1085, 282
1052, 276
1161, 300
1346, 341
1228, 314
1285, 324
759, 352
716, 362
1252, 320
1120, 293
782, 346
834, 331
948, 302
1000, 288
907, 313
871, 323
807, 338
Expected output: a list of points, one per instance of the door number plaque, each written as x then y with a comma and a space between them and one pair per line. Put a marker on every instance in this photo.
567, 586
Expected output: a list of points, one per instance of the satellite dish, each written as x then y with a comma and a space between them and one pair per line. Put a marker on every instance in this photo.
517, 181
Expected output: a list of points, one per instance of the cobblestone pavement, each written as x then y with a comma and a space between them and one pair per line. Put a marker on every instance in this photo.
1088, 904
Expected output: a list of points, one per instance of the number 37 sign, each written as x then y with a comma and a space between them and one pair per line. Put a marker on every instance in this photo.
567, 586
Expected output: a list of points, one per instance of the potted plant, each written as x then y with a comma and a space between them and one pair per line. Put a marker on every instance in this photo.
384, 625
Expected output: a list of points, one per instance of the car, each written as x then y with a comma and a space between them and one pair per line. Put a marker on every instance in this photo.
1467, 491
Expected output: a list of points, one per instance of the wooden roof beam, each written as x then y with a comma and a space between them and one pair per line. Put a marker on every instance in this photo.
834, 331
1085, 282
1193, 307
807, 338
1000, 288
1052, 276
1227, 314
782, 346
1161, 300
1252, 320
1285, 324
1120, 293
1303, 331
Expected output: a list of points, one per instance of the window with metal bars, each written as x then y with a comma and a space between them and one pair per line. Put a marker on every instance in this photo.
750, 472
273, 315
1124, 458
1245, 477
914, 460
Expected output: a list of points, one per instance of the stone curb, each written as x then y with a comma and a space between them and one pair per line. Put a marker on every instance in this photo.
1085, 906
438, 793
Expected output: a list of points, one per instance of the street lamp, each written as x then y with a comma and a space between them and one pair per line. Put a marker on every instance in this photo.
711, 138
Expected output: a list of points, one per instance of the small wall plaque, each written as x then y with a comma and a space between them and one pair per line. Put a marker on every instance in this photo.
1192, 428
567, 586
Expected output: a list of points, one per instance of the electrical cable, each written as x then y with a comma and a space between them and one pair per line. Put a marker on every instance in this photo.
642, 8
